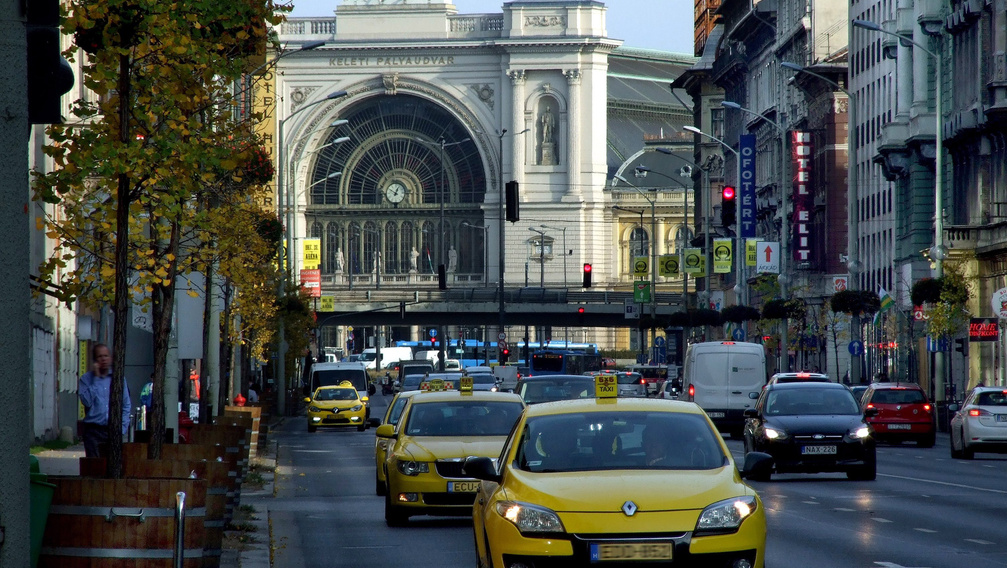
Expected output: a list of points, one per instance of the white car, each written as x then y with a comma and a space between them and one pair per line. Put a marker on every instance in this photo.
980, 425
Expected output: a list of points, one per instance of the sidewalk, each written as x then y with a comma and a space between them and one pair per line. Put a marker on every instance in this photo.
252, 528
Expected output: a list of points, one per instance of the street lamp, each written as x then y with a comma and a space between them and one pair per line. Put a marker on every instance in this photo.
685, 216
541, 255
706, 217
653, 253
281, 380
565, 250
784, 225
852, 199
938, 252
485, 231
740, 287
307, 46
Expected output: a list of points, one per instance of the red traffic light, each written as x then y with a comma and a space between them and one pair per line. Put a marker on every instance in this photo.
727, 193
580, 310
587, 268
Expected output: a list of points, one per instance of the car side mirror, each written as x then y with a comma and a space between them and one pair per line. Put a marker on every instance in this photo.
953, 407
480, 468
870, 412
307, 399
385, 431
751, 413
758, 465
753, 395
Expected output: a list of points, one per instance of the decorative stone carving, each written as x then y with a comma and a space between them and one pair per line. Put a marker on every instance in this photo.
391, 83
545, 21
485, 93
300, 94
572, 76
517, 76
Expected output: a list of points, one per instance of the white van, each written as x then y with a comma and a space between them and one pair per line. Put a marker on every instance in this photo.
327, 374
724, 378
388, 355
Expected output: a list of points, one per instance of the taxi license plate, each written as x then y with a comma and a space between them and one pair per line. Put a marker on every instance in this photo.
715, 414
621, 552
899, 427
1001, 417
463, 487
818, 450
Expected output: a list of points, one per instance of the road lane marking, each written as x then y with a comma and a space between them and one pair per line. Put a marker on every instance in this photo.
811, 502
945, 483
978, 541
845, 510
923, 530
880, 519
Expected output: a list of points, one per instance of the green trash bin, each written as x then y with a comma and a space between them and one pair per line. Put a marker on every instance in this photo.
41, 498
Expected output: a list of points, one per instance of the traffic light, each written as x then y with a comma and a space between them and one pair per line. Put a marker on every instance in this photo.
580, 314
49, 74
587, 275
962, 346
504, 355
728, 206
442, 277
513, 198
402, 310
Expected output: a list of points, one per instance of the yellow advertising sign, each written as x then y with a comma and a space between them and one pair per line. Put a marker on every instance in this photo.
751, 252
312, 253
606, 386
327, 304
465, 384
694, 261
641, 266
723, 256
668, 266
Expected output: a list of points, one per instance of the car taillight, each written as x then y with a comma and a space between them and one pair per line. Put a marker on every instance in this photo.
692, 390
979, 412
643, 381
926, 407
870, 406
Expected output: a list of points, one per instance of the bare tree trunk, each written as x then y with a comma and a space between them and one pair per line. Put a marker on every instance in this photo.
226, 386
204, 383
164, 303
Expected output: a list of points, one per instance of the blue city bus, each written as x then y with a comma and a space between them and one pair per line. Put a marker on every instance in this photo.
472, 352
563, 362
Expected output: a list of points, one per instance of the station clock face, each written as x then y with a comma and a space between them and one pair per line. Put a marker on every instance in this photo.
395, 192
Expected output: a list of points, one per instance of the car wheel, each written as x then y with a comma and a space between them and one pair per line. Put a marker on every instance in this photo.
866, 472
394, 516
362, 427
379, 487
928, 441
955, 453
967, 452
312, 429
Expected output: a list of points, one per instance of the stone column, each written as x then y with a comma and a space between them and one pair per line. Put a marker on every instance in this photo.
517, 77
573, 165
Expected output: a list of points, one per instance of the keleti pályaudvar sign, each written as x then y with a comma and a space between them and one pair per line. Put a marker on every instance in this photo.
983, 329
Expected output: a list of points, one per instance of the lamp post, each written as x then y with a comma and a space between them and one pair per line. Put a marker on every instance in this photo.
485, 231
308, 46
685, 216
281, 380
541, 255
784, 226
293, 196
740, 287
938, 252
852, 199
706, 216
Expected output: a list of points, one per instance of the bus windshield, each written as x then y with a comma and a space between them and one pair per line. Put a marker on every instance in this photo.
563, 363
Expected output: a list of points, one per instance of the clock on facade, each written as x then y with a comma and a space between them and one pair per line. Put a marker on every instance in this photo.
395, 192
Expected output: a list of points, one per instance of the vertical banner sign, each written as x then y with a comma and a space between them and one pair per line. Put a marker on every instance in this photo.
751, 252
668, 265
641, 266
311, 279
263, 99
803, 197
312, 253
746, 182
693, 261
723, 256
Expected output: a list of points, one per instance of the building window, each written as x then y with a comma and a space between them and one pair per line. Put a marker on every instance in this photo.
717, 122
540, 249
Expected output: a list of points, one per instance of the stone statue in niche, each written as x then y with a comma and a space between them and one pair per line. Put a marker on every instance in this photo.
452, 260
547, 135
340, 261
413, 257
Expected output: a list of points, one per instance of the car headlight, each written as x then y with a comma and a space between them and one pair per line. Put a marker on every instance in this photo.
413, 467
860, 433
776, 433
726, 516
357, 408
530, 518
314, 409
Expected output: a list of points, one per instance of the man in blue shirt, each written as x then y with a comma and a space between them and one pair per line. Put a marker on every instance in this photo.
94, 390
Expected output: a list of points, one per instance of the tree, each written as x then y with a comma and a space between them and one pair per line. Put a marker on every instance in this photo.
132, 185
950, 313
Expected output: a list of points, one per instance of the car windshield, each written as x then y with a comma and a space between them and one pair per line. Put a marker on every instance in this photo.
368, 356
336, 394
898, 396
462, 418
790, 402
355, 375
483, 379
627, 378
618, 440
992, 398
548, 390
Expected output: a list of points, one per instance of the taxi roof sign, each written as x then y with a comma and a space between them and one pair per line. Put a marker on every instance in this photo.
606, 386
435, 385
465, 384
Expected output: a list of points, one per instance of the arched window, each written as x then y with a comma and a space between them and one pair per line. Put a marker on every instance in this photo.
408, 234
639, 245
471, 244
428, 244
354, 247
391, 254
333, 245
371, 246
682, 240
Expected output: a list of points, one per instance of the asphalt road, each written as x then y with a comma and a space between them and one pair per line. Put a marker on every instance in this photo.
925, 510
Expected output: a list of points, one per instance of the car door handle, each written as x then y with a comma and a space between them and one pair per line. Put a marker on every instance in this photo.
735, 392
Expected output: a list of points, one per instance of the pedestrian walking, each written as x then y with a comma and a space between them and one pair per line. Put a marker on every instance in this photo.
95, 389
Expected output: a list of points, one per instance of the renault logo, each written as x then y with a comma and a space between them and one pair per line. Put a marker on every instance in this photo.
629, 508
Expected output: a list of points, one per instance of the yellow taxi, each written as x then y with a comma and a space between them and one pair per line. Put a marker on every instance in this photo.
337, 405
392, 415
617, 480
438, 429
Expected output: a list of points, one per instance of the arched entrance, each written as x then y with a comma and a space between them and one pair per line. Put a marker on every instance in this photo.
393, 189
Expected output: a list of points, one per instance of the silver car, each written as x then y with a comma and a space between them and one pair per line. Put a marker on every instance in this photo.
980, 425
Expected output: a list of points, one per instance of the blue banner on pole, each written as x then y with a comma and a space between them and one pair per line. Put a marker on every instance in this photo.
746, 186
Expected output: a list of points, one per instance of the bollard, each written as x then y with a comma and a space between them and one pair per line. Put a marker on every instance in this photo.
179, 555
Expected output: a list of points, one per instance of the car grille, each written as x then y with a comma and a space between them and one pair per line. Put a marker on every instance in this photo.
451, 469
825, 438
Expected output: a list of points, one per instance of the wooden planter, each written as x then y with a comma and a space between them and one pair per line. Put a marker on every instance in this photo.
233, 441
255, 413
101, 523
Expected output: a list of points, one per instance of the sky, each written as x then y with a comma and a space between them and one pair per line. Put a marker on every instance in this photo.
651, 24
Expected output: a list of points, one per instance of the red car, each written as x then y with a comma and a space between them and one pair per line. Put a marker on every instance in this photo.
903, 413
